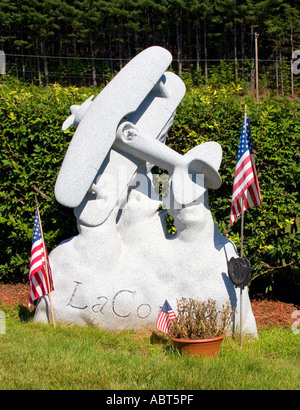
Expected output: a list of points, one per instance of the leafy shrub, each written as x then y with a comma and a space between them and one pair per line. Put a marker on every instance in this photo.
200, 320
33, 147
271, 232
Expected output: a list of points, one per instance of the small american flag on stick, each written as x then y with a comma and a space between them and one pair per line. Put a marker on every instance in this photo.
165, 318
40, 275
245, 184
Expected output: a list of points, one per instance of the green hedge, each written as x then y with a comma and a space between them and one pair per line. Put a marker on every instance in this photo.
33, 147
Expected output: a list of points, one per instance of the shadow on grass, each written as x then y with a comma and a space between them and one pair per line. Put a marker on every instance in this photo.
159, 338
17, 312
24, 314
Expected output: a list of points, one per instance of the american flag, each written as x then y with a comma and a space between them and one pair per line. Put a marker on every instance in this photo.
38, 283
245, 177
165, 318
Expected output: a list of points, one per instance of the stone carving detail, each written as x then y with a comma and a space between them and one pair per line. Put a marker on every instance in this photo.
122, 265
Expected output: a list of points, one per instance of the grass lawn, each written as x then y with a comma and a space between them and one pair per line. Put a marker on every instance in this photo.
36, 356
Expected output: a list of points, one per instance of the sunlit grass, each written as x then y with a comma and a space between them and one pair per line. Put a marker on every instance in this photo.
36, 356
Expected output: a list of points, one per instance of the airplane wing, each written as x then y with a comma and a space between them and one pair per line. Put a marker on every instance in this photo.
153, 118
96, 132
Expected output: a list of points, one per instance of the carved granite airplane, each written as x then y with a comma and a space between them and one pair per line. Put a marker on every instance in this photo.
132, 114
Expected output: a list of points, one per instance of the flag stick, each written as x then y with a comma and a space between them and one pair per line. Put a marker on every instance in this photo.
241, 290
46, 261
256, 67
242, 237
243, 196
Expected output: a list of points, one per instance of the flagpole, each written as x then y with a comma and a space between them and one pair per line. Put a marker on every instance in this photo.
46, 261
242, 238
243, 196
241, 253
256, 67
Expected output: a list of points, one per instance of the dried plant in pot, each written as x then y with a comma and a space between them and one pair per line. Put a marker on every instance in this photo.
200, 326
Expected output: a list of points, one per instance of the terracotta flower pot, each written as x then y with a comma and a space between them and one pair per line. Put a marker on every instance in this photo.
199, 347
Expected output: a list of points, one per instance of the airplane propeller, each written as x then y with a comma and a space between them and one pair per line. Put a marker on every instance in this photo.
77, 113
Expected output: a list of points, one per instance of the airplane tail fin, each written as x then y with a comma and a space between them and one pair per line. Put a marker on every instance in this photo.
200, 171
